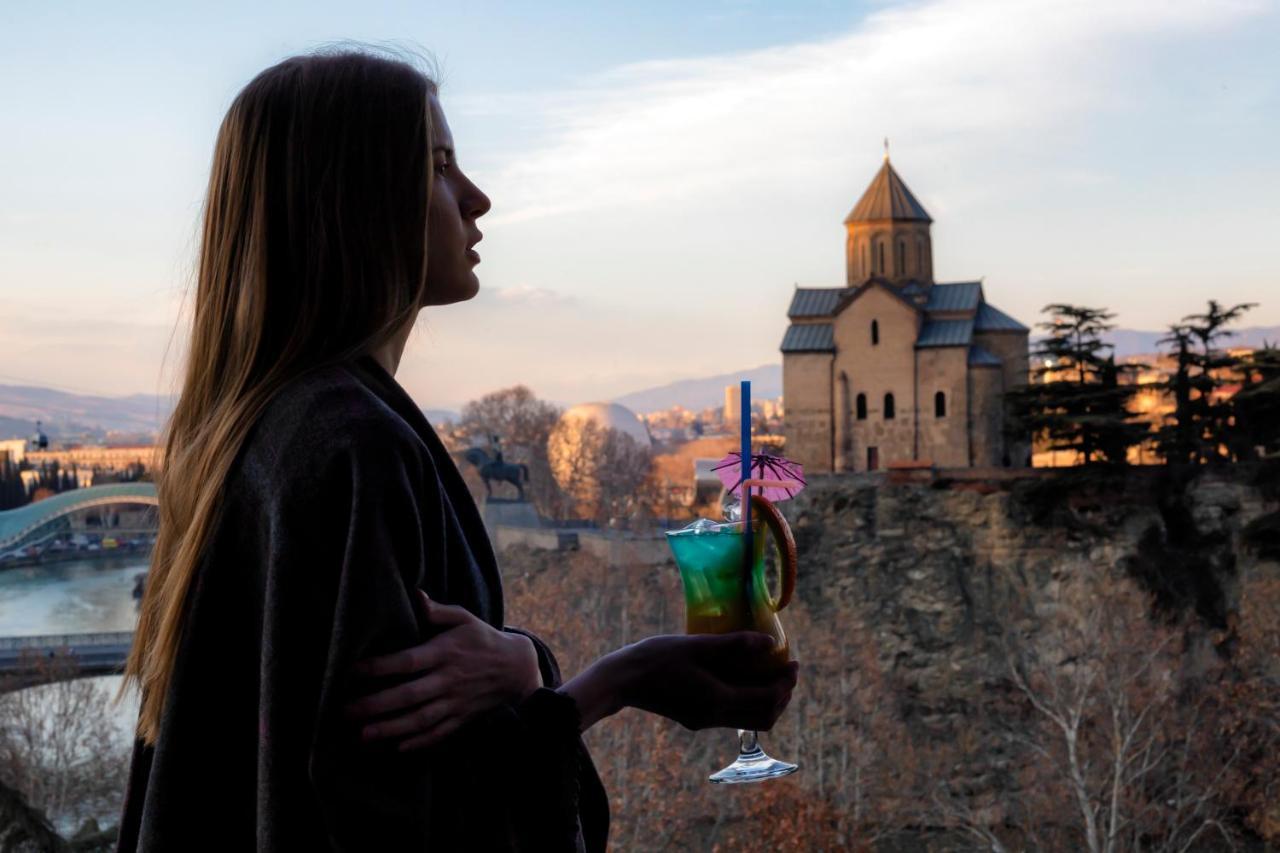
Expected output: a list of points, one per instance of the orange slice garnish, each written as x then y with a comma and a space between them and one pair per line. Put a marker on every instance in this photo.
764, 512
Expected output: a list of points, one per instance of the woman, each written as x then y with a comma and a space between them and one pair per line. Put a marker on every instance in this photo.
320, 650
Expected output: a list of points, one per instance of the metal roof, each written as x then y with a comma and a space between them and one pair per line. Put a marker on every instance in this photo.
914, 288
945, 333
992, 319
980, 357
887, 197
17, 524
815, 301
960, 296
809, 337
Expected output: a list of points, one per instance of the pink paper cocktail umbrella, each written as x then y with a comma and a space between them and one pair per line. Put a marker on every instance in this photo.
778, 470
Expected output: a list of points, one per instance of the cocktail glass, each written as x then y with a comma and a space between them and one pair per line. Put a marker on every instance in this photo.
723, 594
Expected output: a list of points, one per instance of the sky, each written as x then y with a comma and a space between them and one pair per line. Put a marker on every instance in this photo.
662, 174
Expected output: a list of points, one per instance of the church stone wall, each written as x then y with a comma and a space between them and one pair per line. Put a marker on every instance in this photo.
944, 441
908, 251
806, 393
875, 370
986, 386
1011, 347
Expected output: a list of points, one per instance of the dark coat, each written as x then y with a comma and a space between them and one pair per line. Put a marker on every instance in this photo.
341, 503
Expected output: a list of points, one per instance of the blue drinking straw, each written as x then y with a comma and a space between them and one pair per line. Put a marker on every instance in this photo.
745, 422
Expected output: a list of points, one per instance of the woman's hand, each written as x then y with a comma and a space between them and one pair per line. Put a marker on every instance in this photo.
468, 668
700, 681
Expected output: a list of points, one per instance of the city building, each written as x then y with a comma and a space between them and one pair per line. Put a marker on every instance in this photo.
893, 367
732, 404
14, 448
103, 459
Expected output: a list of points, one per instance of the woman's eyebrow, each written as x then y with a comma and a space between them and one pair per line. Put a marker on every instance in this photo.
445, 148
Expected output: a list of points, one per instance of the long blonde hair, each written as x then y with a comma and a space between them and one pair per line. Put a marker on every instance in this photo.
313, 249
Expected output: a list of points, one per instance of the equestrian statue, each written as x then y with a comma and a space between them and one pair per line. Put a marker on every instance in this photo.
497, 469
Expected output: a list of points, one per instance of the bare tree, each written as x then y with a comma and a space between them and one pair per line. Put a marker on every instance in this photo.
59, 747
24, 828
523, 423
1110, 756
601, 469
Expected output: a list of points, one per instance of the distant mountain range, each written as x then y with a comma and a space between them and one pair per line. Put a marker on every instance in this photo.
766, 380
139, 417
1130, 342
695, 394
65, 415
440, 416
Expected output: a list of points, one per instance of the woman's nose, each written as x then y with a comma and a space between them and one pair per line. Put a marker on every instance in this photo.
477, 203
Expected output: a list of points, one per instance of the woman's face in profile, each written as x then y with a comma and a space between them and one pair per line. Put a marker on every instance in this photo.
456, 204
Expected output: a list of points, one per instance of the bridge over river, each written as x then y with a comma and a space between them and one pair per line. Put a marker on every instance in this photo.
36, 521
28, 661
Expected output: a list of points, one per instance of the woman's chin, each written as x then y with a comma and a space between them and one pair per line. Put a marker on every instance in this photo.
465, 289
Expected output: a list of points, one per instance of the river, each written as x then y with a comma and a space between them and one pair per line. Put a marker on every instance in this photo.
73, 597
79, 596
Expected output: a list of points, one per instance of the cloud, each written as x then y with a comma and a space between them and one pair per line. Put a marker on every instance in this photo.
943, 74
523, 294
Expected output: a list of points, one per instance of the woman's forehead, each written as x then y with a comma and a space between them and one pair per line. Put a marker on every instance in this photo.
440, 125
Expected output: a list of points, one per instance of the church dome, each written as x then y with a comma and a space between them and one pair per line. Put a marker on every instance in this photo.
609, 416
576, 453
887, 198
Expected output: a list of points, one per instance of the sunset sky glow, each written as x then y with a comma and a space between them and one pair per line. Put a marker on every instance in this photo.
662, 174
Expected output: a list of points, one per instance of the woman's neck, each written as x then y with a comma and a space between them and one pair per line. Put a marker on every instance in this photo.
388, 355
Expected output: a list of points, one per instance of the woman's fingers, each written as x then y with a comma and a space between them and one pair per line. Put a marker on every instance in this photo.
735, 645
417, 721
413, 693
441, 731
421, 657
759, 707
444, 615
416, 659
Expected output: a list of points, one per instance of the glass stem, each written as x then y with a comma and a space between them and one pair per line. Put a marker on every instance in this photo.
748, 742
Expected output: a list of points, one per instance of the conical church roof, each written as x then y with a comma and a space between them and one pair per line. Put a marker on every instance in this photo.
887, 198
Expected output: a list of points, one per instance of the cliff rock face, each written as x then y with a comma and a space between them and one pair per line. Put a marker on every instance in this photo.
925, 563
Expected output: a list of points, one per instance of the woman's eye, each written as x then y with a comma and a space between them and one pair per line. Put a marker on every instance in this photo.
442, 166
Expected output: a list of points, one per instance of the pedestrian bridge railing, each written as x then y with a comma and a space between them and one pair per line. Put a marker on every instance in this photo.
30, 661
59, 642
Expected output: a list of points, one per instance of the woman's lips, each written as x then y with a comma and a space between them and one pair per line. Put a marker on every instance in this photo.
473, 255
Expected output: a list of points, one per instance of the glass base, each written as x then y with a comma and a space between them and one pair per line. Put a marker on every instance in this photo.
752, 765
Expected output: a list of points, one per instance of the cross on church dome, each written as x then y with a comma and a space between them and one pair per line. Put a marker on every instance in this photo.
887, 198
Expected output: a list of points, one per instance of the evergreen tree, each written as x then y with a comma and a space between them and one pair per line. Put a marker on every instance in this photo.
1176, 440
12, 493
1117, 428
1076, 401
1257, 404
1202, 427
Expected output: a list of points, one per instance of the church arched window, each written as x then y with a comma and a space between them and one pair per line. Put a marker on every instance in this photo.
863, 268
880, 258
861, 406
902, 258
888, 406
875, 332
920, 256
940, 405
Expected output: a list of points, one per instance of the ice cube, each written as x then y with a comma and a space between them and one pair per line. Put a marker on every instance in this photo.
702, 525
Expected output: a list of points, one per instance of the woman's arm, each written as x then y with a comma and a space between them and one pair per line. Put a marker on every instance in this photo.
699, 681
349, 547
465, 670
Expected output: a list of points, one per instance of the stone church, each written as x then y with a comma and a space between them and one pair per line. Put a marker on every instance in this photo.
893, 367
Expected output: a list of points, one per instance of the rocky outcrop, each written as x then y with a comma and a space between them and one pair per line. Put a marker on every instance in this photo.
924, 562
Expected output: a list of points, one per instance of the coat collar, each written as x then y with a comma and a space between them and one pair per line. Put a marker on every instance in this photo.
367, 369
